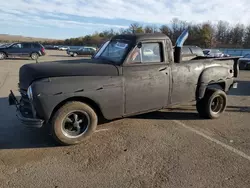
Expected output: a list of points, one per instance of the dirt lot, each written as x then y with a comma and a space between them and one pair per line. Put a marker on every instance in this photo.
171, 148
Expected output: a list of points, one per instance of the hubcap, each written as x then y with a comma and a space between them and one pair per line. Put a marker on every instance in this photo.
34, 56
75, 124
217, 104
1, 55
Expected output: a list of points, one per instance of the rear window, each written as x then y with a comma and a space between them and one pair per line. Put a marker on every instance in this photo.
26, 45
185, 51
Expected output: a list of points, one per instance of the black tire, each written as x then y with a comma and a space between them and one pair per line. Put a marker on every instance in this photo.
213, 104
242, 66
64, 121
2, 55
34, 56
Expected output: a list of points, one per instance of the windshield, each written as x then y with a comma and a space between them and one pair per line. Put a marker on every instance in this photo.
114, 51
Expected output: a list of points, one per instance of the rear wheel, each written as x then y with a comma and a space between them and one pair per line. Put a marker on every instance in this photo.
74, 54
73, 123
213, 104
2, 55
34, 56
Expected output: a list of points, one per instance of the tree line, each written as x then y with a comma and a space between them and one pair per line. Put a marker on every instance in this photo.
205, 35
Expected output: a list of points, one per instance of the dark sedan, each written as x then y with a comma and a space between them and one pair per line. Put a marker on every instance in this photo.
244, 62
90, 51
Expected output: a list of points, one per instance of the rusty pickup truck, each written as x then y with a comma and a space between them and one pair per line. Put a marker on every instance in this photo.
130, 74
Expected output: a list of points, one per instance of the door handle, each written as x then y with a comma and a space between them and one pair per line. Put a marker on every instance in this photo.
162, 69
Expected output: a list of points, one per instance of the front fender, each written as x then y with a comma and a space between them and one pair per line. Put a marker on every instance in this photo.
105, 91
214, 75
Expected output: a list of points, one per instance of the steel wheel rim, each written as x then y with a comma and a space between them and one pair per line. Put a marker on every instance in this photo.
34, 56
75, 124
217, 104
1, 56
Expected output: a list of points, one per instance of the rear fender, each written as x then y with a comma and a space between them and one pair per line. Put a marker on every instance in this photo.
214, 77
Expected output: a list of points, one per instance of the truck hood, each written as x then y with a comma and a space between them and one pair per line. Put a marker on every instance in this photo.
88, 67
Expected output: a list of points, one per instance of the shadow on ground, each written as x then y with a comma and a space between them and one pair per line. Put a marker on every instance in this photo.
19, 58
14, 135
168, 115
59, 55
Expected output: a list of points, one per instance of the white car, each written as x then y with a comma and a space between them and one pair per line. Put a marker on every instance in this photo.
63, 48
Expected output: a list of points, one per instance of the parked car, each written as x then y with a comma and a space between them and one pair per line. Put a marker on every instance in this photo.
51, 47
244, 62
214, 53
23, 49
72, 96
63, 48
189, 52
81, 51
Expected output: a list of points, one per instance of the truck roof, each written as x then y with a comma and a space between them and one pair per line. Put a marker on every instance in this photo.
142, 36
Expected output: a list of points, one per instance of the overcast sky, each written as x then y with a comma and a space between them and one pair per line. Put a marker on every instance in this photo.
72, 18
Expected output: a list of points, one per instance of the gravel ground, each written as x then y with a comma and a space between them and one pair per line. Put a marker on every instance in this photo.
170, 148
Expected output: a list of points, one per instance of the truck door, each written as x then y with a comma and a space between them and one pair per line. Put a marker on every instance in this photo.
146, 78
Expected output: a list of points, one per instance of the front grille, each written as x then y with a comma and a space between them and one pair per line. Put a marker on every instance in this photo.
25, 105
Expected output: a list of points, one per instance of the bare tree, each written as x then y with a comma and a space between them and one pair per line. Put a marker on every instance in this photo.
136, 28
247, 37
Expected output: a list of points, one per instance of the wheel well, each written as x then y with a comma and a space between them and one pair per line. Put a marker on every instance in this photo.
219, 85
4, 53
33, 53
88, 101
201, 90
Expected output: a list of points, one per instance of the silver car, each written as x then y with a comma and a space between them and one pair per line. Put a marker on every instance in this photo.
214, 53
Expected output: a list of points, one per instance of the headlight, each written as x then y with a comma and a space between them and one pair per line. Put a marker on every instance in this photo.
29, 93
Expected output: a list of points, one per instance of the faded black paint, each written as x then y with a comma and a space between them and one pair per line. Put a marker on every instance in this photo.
123, 90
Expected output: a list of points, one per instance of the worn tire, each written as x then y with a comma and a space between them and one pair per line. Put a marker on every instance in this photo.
34, 56
2, 55
205, 108
60, 116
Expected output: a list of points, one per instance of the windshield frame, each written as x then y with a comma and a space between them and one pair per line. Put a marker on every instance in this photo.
105, 45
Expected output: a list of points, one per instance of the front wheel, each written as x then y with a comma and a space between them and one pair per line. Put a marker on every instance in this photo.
213, 104
73, 123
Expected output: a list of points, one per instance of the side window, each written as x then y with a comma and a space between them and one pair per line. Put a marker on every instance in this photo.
148, 53
35, 45
26, 45
16, 46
